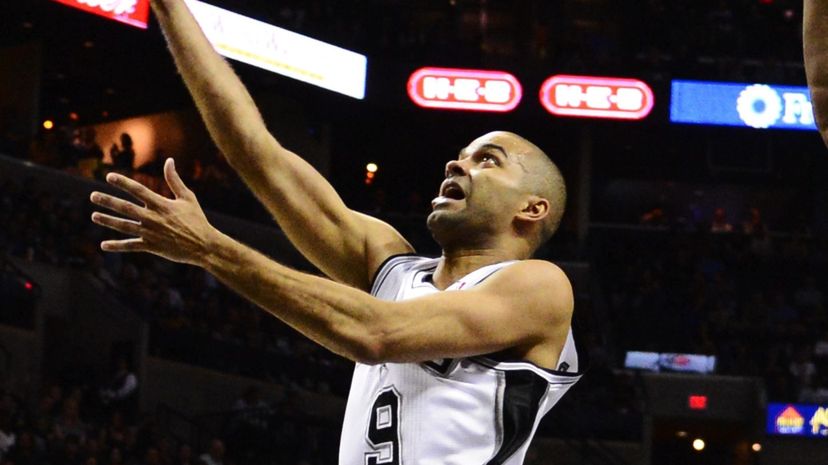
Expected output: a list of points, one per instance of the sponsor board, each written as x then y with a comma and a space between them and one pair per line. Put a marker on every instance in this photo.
758, 106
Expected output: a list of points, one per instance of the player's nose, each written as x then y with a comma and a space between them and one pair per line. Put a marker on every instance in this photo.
455, 168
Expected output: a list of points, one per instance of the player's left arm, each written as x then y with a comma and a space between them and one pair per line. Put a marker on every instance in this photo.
522, 305
815, 44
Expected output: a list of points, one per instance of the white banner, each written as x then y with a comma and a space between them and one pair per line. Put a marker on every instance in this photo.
281, 51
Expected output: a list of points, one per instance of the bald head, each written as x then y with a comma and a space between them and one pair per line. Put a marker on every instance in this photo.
543, 179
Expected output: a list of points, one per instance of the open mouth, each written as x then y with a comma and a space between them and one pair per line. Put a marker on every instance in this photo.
453, 191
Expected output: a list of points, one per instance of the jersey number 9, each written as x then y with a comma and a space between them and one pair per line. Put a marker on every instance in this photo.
383, 433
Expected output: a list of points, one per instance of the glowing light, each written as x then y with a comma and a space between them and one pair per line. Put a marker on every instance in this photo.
74, 116
464, 89
28, 285
48, 124
698, 445
132, 12
281, 51
697, 402
369, 175
597, 97
756, 447
371, 167
681, 434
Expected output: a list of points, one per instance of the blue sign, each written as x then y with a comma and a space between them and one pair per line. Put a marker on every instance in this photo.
757, 106
797, 420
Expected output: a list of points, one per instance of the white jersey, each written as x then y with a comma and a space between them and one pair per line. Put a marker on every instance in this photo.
466, 411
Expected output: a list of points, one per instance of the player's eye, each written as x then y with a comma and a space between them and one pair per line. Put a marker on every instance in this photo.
486, 158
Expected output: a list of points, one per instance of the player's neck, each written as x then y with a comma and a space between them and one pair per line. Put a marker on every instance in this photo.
455, 264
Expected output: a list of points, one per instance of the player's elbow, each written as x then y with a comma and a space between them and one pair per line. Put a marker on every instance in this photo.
369, 353
373, 347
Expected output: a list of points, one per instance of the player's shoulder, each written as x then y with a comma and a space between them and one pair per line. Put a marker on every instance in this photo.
534, 272
534, 283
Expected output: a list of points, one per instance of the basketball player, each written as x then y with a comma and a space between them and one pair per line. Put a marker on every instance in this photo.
815, 41
457, 357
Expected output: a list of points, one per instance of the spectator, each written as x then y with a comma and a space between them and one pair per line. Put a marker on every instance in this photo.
821, 347
121, 393
69, 424
25, 451
7, 436
116, 457
69, 453
808, 294
816, 393
214, 456
754, 224
719, 223
250, 399
91, 154
185, 455
123, 158
802, 369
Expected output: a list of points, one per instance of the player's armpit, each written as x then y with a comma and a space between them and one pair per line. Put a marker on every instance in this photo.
523, 306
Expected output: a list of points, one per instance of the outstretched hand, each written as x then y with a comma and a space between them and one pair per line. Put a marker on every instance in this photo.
175, 229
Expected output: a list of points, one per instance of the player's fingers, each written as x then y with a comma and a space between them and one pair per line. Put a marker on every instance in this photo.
135, 189
177, 186
124, 245
121, 225
117, 205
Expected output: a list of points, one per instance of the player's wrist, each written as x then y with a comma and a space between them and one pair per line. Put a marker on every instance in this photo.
213, 250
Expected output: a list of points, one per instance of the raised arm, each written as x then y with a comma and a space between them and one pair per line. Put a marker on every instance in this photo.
815, 41
525, 307
344, 244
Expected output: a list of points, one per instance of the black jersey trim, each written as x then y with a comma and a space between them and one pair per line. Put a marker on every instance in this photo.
381, 272
521, 404
512, 365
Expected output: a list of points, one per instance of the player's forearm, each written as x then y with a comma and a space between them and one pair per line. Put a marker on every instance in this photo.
815, 41
225, 105
336, 316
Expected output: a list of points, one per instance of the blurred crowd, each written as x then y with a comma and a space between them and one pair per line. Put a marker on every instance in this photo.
713, 37
82, 424
67, 424
757, 303
181, 303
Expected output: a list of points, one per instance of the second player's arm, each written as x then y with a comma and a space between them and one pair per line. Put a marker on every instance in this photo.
345, 245
815, 40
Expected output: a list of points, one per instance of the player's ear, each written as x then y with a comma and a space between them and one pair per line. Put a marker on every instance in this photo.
535, 209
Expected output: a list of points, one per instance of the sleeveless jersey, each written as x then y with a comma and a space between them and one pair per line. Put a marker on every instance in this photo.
465, 411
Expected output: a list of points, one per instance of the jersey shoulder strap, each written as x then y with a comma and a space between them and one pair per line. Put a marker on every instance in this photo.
389, 275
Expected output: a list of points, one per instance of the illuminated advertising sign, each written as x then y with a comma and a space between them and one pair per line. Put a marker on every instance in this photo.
797, 420
464, 89
281, 51
757, 106
653, 361
132, 12
597, 97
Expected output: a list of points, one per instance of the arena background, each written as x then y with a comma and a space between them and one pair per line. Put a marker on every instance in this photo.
681, 239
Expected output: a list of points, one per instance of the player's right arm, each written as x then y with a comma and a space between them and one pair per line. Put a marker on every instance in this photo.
345, 245
815, 42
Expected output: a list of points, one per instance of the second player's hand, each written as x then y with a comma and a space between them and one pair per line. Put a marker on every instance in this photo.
175, 229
